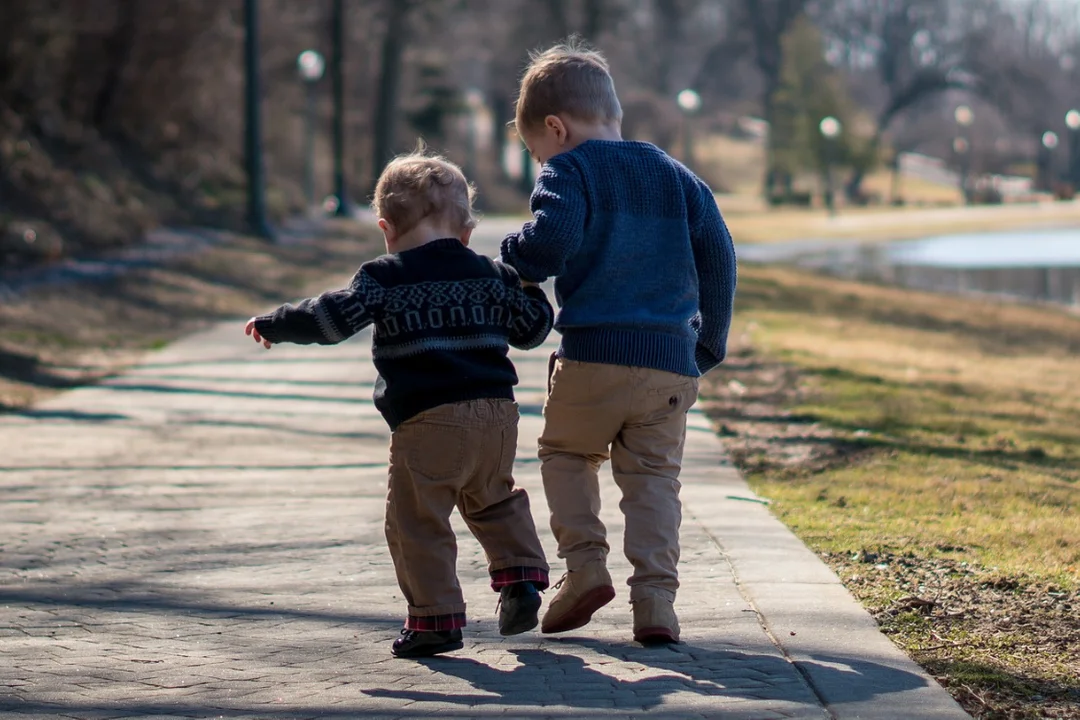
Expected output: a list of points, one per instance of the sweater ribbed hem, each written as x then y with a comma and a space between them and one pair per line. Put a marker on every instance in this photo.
631, 348
402, 409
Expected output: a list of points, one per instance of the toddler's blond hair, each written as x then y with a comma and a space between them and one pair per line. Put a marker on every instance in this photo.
571, 79
418, 185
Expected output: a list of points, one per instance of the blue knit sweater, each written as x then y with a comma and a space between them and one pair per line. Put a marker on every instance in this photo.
644, 265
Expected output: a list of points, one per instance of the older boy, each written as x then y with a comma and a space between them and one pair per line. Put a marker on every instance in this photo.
645, 279
443, 317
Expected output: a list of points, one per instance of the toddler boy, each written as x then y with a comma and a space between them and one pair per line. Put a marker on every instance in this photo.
443, 317
644, 272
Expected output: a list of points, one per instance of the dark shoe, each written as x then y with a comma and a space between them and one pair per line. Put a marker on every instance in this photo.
416, 643
518, 605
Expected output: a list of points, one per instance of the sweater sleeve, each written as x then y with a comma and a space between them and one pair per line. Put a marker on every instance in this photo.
542, 247
714, 256
328, 318
531, 314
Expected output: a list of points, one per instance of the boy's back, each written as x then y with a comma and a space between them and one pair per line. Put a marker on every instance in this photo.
640, 254
645, 278
443, 316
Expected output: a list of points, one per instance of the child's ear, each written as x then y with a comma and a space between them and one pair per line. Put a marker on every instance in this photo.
388, 230
466, 234
557, 127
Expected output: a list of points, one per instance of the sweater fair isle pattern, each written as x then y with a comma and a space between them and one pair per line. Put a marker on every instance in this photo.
644, 265
442, 316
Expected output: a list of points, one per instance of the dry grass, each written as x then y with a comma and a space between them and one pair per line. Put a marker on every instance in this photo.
741, 163
940, 471
60, 337
879, 223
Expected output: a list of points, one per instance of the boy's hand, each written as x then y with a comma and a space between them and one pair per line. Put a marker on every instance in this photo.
526, 283
250, 330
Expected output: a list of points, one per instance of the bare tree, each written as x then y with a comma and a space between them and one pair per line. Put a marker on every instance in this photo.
1022, 53
914, 46
767, 22
394, 41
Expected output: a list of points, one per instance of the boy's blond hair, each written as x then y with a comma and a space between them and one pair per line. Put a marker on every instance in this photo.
418, 185
570, 79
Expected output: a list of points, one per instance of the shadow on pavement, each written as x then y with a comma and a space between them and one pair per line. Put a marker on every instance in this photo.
73, 415
141, 598
110, 710
172, 390
551, 678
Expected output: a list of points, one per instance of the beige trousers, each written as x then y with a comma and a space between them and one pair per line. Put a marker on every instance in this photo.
636, 417
456, 455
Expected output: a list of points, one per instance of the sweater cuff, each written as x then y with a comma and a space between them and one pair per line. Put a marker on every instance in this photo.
508, 256
535, 292
505, 256
704, 358
264, 324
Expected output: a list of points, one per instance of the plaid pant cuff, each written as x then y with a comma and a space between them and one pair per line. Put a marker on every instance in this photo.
511, 575
435, 623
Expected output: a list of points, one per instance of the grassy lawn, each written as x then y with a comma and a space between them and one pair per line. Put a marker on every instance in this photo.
928, 447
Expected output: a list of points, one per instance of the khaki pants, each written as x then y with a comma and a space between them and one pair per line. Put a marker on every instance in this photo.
459, 454
637, 418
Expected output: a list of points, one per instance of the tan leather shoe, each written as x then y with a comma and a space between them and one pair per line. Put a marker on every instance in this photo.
581, 593
655, 621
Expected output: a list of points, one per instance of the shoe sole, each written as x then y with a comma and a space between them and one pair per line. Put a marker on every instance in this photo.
655, 636
429, 650
582, 612
525, 619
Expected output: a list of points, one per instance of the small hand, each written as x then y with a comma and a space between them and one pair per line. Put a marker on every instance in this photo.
250, 330
526, 283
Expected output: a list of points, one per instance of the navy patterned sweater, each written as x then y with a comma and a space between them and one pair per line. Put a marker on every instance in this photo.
644, 265
443, 317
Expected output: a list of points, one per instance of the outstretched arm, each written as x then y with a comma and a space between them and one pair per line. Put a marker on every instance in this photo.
327, 319
542, 247
714, 256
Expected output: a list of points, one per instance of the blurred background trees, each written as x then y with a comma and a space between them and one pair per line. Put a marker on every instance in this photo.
116, 115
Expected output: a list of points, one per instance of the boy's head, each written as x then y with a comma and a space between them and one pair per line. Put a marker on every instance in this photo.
423, 192
565, 88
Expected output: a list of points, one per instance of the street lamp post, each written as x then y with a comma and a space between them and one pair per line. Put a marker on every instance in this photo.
962, 146
257, 223
1049, 142
337, 76
689, 102
961, 149
310, 64
1072, 121
830, 129
474, 103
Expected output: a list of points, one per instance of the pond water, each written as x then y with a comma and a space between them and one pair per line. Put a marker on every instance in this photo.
1040, 265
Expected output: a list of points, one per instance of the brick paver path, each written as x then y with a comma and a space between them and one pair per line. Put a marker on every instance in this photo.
202, 537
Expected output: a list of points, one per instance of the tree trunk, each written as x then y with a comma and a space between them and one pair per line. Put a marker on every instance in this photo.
500, 117
118, 50
594, 19
386, 104
770, 180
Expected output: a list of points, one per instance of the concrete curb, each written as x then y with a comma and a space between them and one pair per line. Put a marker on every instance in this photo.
814, 621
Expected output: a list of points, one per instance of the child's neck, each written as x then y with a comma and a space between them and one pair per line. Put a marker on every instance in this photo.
426, 231
582, 133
